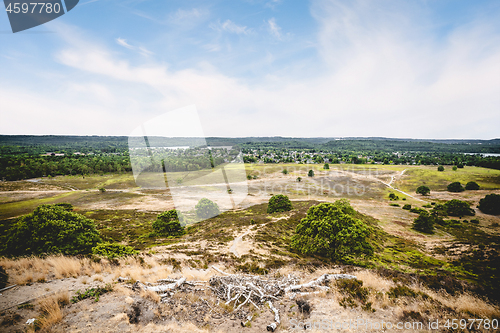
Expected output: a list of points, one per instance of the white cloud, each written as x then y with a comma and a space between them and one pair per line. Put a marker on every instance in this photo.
141, 50
124, 43
274, 29
231, 27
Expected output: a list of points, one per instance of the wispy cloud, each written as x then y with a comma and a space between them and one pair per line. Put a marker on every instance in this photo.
124, 43
140, 49
231, 27
275, 30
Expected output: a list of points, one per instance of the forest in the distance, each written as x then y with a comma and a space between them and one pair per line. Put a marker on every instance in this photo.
26, 156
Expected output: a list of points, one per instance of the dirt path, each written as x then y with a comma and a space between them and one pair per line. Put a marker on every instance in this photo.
238, 246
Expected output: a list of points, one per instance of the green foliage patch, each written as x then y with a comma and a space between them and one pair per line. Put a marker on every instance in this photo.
94, 293
51, 229
168, 223
279, 203
331, 230
113, 250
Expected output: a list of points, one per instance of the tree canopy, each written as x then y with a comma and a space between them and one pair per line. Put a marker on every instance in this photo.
206, 208
456, 187
168, 223
472, 186
490, 204
424, 222
279, 203
458, 208
331, 230
51, 229
423, 190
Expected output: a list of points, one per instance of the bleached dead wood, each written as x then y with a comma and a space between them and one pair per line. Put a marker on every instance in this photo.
238, 290
272, 327
323, 279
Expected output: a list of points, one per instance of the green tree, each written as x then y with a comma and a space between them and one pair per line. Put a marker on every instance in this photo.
299, 179
472, 186
458, 208
440, 168
330, 230
424, 223
393, 196
490, 204
326, 166
456, 187
454, 168
310, 173
168, 223
423, 190
285, 171
51, 229
279, 203
206, 208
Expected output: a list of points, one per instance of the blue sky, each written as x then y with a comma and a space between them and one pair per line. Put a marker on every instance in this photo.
422, 69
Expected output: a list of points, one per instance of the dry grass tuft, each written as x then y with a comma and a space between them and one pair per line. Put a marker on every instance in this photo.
151, 295
51, 309
65, 266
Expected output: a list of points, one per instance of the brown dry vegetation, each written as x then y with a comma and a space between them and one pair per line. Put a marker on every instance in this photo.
413, 277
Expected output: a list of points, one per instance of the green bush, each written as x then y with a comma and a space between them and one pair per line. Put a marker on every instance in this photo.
424, 223
285, 172
475, 221
456, 187
51, 229
330, 230
440, 168
490, 204
94, 293
113, 250
310, 173
169, 223
424, 190
65, 205
206, 208
472, 186
279, 203
393, 196
407, 207
458, 208
326, 166
417, 210
454, 168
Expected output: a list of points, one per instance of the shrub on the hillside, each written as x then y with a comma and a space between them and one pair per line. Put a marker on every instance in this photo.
407, 207
393, 196
417, 210
310, 173
472, 186
169, 223
423, 190
51, 229
424, 222
113, 250
279, 203
330, 230
454, 168
206, 208
490, 204
284, 171
458, 208
456, 187
440, 168
326, 166
439, 210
